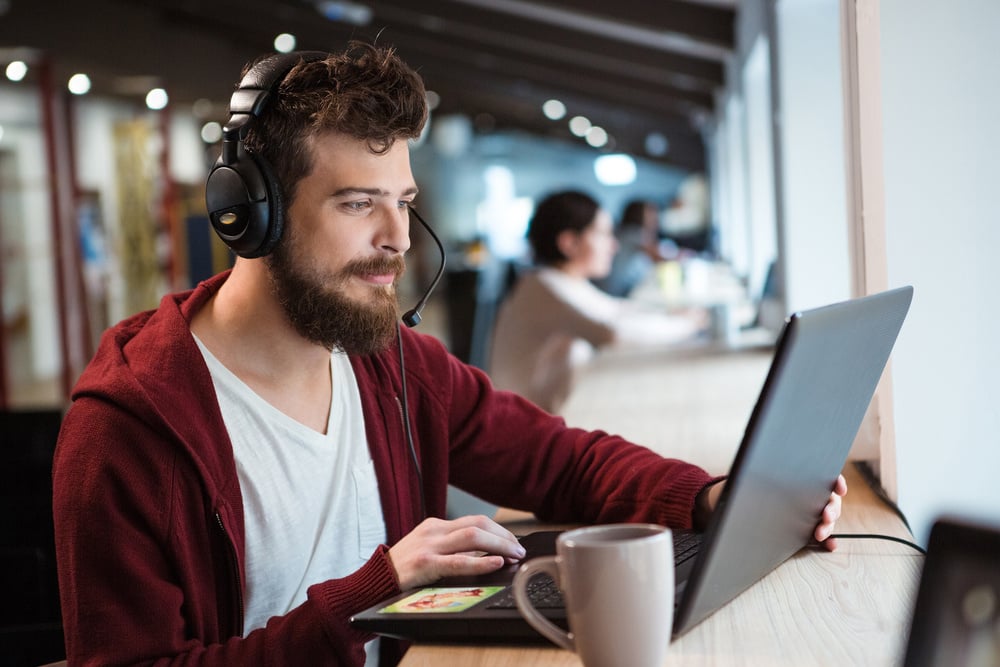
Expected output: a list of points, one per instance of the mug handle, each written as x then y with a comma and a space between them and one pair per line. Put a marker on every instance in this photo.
547, 628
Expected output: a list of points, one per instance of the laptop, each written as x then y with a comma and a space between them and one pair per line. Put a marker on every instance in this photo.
827, 363
956, 616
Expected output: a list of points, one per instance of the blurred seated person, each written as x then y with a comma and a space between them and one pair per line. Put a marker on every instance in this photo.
555, 318
686, 219
639, 248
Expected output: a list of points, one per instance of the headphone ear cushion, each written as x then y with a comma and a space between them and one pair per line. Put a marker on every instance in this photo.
273, 228
245, 205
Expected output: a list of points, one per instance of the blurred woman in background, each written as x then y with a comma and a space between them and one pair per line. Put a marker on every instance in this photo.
555, 318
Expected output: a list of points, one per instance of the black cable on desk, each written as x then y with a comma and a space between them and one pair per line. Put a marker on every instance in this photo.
865, 470
874, 536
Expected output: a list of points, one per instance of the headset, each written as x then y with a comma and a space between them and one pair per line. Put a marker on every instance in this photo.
244, 197
242, 194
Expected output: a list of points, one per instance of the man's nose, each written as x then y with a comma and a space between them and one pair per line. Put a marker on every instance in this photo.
394, 230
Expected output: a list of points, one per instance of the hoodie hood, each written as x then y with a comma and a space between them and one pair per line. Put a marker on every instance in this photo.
148, 366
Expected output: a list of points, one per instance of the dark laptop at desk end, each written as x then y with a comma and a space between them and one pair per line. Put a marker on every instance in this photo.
956, 615
826, 366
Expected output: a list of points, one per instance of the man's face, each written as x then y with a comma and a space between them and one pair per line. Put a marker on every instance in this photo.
336, 268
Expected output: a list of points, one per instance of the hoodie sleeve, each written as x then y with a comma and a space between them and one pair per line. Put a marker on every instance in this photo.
539, 464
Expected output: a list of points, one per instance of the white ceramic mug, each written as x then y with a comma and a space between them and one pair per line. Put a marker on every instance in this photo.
618, 585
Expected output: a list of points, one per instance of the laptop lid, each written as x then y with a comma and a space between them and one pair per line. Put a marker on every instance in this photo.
826, 365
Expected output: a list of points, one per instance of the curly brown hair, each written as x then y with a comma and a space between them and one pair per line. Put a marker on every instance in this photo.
365, 91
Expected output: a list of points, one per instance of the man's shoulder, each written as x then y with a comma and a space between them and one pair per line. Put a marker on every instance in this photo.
143, 353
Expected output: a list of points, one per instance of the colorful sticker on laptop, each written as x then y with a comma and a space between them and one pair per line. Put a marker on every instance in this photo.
441, 600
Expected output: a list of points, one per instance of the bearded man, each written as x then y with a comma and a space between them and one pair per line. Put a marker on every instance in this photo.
259, 458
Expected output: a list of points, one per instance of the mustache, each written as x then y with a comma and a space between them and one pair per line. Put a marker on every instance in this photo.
376, 265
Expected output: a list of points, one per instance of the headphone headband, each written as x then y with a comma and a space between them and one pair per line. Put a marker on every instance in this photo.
255, 89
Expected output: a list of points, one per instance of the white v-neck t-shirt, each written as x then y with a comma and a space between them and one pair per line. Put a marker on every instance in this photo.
310, 500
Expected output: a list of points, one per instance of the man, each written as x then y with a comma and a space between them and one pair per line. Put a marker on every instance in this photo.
244, 468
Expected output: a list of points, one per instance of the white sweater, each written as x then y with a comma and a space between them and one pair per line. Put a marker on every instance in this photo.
552, 322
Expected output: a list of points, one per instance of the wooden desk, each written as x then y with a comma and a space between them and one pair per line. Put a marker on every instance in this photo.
850, 607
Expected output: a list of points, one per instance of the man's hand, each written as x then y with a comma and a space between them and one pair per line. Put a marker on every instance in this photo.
709, 498
438, 548
828, 519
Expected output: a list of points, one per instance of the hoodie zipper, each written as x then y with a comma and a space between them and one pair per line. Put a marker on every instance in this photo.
234, 569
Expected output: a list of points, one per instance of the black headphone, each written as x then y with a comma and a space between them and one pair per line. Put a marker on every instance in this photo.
242, 194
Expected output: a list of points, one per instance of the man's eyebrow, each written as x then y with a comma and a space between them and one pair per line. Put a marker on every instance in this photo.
375, 192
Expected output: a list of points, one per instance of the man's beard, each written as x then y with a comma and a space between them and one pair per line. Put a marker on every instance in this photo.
317, 307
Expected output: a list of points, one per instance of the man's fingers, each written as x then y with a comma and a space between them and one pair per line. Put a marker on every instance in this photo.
464, 546
465, 564
840, 487
823, 531
481, 538
833, 508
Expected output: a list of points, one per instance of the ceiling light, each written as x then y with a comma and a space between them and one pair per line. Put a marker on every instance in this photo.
284, 43
615, 169
79, 84
451, 135
17, 70
433, 100
156, 99
345, 12
657, 145
554, 109
597, 136
579, 125
211, 132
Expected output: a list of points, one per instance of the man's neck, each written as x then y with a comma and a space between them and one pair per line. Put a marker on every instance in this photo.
246, 329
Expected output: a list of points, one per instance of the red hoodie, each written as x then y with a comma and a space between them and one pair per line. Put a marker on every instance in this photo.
149, 516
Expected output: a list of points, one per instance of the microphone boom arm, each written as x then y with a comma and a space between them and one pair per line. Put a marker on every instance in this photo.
411, 318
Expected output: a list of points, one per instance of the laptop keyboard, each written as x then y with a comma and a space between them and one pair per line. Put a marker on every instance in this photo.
544, 594
686, 545
542, 591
